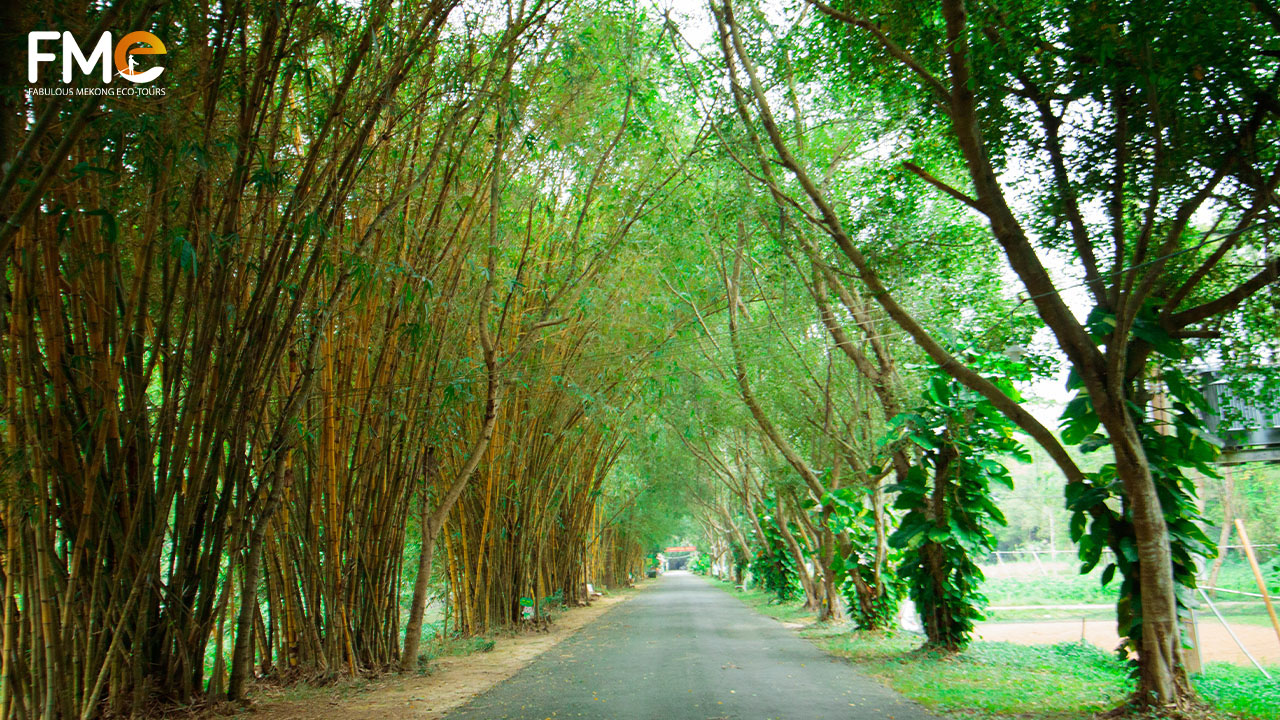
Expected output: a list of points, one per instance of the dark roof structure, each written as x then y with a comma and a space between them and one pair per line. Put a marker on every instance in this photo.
1245, 424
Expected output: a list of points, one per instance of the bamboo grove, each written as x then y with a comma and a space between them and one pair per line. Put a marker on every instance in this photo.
258, 341
389, 321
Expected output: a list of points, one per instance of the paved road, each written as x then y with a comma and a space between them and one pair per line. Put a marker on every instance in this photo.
687, 650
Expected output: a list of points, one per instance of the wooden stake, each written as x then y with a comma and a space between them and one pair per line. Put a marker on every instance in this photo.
1257, 575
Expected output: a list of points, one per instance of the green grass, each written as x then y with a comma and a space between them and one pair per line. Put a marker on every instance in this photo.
1235, 616
1032, 682
1027, 585
1035, 588
991, 679
1002, 681
1239, 576
1107, 613
1058, 584
765, 604
1240, 689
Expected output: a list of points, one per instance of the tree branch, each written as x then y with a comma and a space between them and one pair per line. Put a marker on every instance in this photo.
1229, 300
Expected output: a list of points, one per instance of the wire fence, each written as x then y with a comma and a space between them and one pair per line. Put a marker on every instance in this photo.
1039, 596
998, 557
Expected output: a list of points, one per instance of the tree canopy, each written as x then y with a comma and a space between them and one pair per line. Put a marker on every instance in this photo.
386, 321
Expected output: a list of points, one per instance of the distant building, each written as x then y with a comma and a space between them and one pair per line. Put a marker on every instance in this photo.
678, 557
1247, 428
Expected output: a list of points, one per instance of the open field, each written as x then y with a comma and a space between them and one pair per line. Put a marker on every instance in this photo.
1216, 644
1049, 602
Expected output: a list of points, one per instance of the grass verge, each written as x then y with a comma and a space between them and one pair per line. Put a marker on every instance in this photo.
765, 604
1002, 681
1240, 690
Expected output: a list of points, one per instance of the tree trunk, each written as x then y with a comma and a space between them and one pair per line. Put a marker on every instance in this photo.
937, 615
242, 651
736, 539
1163, 679
831, 609
811, 590
421, 583
432, 522
882, 528
413, 630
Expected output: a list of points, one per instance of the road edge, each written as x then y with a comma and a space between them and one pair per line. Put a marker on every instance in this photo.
451, 683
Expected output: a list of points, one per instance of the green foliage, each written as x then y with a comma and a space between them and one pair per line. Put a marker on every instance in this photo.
701, 565
774, 571
452, 646
1256, 499
884, 607
740, 563
553, 601
872, 597
1237, 574
948, 498
1101, 519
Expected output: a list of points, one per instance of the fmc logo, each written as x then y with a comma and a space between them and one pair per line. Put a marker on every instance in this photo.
135, 43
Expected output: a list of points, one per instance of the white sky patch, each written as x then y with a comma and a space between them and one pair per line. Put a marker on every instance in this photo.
693, 18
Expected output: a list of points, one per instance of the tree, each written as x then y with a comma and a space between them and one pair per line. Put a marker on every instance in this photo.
948, 498
1133, 118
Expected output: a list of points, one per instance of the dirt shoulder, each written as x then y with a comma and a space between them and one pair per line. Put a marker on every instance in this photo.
1216, 643
452, 682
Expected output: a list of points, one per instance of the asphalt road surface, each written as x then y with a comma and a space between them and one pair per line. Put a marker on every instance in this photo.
687, 650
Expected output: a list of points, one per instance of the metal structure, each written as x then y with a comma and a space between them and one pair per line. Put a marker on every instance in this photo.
678, 557
1248, 430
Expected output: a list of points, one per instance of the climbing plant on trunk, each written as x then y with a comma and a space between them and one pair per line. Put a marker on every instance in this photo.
1174, 440
949, 503
773, 567
872, 588
1172, 117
